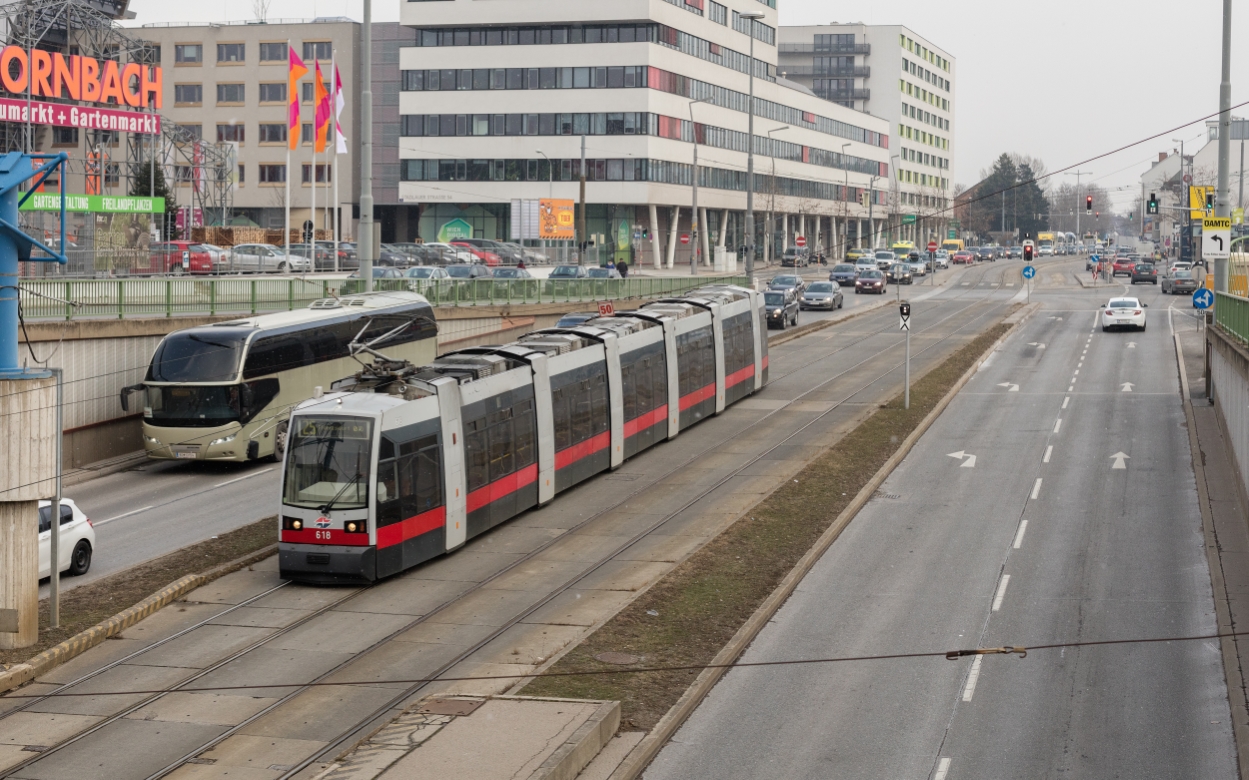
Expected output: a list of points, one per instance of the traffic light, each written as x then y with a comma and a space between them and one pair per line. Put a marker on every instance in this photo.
1209, 202
308, 226
1088, 204
905, 309
1152, 206
1027, 254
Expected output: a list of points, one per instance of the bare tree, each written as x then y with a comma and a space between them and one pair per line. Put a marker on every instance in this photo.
261, 9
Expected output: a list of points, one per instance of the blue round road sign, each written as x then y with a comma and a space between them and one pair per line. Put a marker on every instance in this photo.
1029, 271
1203, 299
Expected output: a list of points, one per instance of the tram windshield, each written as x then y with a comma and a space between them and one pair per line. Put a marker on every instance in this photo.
328, 463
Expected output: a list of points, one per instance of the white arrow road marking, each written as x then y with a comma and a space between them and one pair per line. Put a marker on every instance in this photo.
1036, 344
1127, 387
1060, 319
970, 463
970, 688
1001, 592
1131, 345
1119, 458
1013, 388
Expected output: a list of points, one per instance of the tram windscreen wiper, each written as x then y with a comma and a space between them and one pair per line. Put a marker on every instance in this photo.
325, 510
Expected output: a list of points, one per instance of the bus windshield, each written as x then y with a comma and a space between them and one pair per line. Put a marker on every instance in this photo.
328, 463
191, 406
196, 356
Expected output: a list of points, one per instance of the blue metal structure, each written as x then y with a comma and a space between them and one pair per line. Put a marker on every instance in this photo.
16, 169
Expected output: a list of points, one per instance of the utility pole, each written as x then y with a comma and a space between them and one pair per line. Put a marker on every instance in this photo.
367, 239
1078, 174
694, 243
1222, 202
581, 235
750, 159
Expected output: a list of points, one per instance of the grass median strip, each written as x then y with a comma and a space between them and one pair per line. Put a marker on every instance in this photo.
690, 614
87, 605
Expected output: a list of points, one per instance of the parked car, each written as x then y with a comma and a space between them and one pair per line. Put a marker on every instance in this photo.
782, 308
77, 542
795, 257
871, 282
1124, 313
603, 273
178, 258
460, 254
512, 273
787, 282
1179, 281
821, 295
426, 273
479, 254
844, 273
220, 258
393, 257
1144, 272
567, 272
507, 253
900, 273
469, 271
380, 273
348, 256
322, 255
265, 258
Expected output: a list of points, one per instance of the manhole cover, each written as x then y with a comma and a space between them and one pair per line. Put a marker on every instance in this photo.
623, 659
459, 707
881, 494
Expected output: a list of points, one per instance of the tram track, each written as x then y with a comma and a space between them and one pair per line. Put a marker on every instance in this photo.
365, 725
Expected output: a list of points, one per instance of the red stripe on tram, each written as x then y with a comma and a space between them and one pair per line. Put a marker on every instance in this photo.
737, 377
765, 361
397, 533
325, 536
649, 420
585, 449
501, 488
698, 396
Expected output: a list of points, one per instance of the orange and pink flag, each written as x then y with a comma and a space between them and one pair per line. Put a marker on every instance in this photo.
297, 71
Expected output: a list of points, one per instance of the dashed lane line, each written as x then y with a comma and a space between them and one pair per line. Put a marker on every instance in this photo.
1001, 592
1048, 452
1036, 489
970, 688
1023, 526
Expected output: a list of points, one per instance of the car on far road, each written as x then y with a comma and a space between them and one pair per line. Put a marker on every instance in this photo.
871, 282
1122, 265
853, 255
1180, 265
573, 319
942, 258
1124, 313
512, 273
900, 273
423, 276
795, 257
782, 308
787, 282
1015, 253
1144, 272
919, 266
884, 259
77, 540
1179, 281
821, 295
844, 273
963, 257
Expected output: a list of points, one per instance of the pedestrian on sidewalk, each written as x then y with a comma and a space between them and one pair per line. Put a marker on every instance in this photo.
623, 268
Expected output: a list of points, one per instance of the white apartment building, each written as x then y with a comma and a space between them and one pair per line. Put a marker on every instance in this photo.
498, 97
892, 73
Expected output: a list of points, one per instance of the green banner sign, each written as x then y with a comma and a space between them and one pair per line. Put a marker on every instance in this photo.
95, 204
908, 219
951, 234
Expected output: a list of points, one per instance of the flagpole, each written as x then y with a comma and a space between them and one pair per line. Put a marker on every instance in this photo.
287, 242
334, 99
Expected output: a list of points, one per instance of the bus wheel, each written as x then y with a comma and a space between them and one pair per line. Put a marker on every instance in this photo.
279, 441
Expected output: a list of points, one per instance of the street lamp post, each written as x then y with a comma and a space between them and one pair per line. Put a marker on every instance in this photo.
871, 203
897, 191
694, 222
769, 230
750, 159
845, 201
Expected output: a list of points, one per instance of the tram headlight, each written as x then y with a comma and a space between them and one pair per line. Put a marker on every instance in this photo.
356, 527
292, 524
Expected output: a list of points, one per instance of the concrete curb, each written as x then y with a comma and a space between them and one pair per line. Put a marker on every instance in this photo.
1232, 673
580, 749
20, 674
642, 755
110, 466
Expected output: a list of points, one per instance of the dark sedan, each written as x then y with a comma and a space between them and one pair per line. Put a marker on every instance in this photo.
870, 282
821, 295
1144, 272
782, 306
787, 282
843, 273
901, 273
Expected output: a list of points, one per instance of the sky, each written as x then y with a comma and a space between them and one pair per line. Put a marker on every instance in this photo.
1061, 80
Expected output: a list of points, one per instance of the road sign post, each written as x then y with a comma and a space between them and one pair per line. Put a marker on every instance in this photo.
1029, 272
904, 310
1203, 299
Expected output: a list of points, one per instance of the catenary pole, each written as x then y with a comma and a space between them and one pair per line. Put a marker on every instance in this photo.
286, 248
366, 154
1222, 203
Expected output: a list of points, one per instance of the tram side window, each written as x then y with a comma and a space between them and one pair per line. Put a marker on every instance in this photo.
418, 469
629, 375
562, 417
502, 440
645, 386
695, 358
524, 427
476, 449
580, 411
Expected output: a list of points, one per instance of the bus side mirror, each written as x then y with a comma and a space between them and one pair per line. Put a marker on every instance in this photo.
125, 396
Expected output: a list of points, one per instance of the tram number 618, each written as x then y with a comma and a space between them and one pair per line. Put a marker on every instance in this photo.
323, 535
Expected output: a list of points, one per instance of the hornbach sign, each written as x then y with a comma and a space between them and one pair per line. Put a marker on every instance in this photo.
44, 74
95, 204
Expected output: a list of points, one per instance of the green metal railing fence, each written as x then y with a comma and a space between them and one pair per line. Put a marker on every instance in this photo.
1231, 313
127, 298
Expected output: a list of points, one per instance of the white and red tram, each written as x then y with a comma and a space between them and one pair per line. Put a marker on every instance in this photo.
403, 463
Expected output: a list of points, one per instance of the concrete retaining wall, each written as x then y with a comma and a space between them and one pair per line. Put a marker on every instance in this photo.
1229, 381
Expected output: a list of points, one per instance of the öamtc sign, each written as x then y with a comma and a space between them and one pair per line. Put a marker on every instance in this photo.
74, 77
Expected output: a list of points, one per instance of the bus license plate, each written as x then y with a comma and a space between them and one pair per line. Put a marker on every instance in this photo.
186, 455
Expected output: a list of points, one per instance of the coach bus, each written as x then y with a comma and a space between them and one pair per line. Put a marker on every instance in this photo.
224, 391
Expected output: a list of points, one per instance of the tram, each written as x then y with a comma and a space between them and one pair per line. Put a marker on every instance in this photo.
401, 463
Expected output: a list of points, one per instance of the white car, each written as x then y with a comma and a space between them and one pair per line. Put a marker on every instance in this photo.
461, 254
1124, 313
941, 258
77, 539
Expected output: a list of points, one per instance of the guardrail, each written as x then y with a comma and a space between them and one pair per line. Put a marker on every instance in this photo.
128, 298
1231, 314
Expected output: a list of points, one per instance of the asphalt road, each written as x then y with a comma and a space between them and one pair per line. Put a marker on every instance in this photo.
161, 506
1044, 539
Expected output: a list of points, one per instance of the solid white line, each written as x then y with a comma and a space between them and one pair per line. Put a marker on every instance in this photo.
943, 766
1048, 452
1001, 592
1096, 314
1058, 424
1066, 401
128, 514
1036, 489
246, 476
1023, 526
970, 688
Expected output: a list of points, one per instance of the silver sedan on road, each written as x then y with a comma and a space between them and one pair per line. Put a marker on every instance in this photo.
821, 295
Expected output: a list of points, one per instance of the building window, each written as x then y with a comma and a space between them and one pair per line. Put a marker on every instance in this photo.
306, 134
718, 13
323, 174
834, 42
273, 133
148, 55
65, 136
188, 94
230, 133
272, 174
273, 52
196, 132
112, 174
308, 91
231, 52
230, 93
242, 173
273, 93
318, 50
188, 53
98, 138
